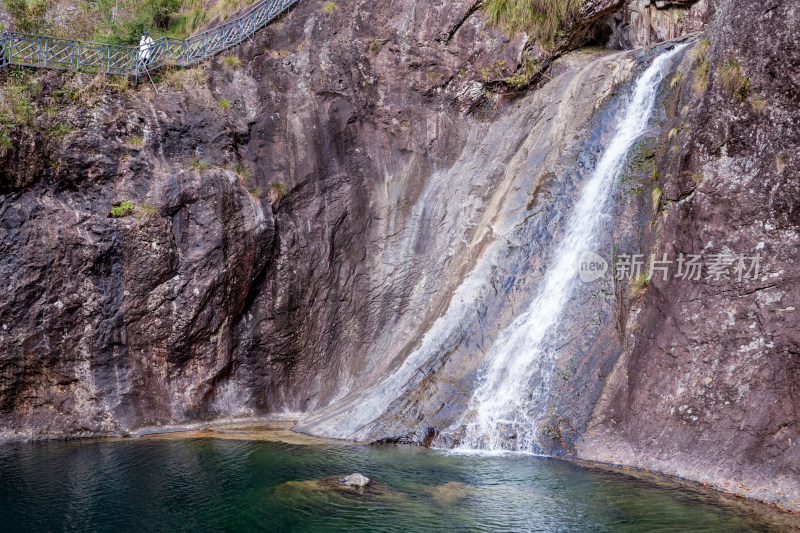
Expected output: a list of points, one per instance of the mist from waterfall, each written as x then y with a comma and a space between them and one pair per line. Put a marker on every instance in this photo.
516, 375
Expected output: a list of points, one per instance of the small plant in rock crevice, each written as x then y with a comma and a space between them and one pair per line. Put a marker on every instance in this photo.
638, 286
278, 191
525, 73
243, 172
199, 165
123, 209
700, 54
760, 105
232, 62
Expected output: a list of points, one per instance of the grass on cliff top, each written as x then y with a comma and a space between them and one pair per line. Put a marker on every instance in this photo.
543, 20
118, 21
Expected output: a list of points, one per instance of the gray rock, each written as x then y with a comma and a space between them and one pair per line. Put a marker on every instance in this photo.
355, 480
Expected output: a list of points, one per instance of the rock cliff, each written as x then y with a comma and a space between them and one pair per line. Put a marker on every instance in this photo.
707, 384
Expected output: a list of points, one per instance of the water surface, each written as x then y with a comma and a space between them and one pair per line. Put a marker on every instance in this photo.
210, 484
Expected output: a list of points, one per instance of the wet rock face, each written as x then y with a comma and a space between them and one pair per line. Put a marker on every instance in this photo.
214, 297
707, 386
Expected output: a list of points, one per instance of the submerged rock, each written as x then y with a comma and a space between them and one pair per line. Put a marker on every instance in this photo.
451, 492
338, 489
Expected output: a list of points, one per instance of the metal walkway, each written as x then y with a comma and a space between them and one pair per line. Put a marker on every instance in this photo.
49, 52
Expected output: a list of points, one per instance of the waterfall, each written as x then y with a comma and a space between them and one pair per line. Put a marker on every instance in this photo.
515, 377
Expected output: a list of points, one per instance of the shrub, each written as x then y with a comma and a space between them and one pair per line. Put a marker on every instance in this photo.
28, 15
136, 140
122, 209
15, 104
226, 104
329, 7
122, 22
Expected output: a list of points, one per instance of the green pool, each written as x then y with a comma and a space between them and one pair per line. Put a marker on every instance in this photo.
211, 484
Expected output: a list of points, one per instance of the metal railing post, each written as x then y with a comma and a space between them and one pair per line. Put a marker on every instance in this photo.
3, 43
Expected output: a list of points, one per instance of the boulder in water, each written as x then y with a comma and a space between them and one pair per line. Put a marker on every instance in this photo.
355, 480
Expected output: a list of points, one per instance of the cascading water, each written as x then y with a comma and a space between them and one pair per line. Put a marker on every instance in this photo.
514, 383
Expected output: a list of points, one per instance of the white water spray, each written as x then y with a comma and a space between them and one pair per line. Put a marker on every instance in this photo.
514, 383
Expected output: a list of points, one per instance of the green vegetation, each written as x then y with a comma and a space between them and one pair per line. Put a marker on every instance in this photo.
120, 22
16, 105
656, 196
147, 211
199, 165
28, 15
494, 70
136, 141
60, 130
703, 65
676, 80
232, 62
123, 209
525, 73
225, 104
243, 172
544, 20
329, 7
278, 191
256, 192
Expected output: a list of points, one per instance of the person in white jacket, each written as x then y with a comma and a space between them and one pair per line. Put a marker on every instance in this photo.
145, 50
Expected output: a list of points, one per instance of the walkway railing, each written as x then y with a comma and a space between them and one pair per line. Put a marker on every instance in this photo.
50, 52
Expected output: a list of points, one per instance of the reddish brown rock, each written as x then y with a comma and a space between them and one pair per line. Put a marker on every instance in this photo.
707, 385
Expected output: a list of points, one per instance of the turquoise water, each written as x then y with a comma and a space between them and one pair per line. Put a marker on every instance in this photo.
238, 485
